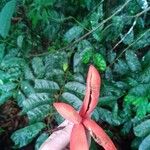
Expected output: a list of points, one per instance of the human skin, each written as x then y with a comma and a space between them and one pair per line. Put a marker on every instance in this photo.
59, 139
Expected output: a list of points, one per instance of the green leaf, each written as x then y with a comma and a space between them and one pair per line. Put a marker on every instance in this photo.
20, 98
38, 67
95, 18
2, 48
54, 61
132, 61
40, 140
83, 46
76, 87
73, 33
143, 40
87, 54
28, 75
111, 55
95, 115
140, 90
128, 38
142, 108
20, 41
99, 61
36, 99
143, 4
7, 87
141, 104
145, 145
72, 99
107, 116
45, 85
1, 130
5, 17
111, 90
24, 136
79, 78
38, 113
121, 67
136, 142
108, 74
13, 53
126, 128
5, 96
132, 82
12, 62
107, 100
113, 32
27, 88
145, 75
146, 59
65, 67
133, 7
142, 129
135, 100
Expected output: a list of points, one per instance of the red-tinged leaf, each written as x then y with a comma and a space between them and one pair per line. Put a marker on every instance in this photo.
92, 92
68, 112
78, 138
99, 134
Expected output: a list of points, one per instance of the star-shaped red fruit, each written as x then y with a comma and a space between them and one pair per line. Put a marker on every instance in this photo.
82, 120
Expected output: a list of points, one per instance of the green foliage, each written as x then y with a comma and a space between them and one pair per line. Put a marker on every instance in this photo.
73, 33
5, 17
87, 55
46, 48
142, 129
25, 135
99, 61
132, 61
40, 140
145, 144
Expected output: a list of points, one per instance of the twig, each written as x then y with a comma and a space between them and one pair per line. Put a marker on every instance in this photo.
142, 12
128, 47
129, 31
88, 33
134, 23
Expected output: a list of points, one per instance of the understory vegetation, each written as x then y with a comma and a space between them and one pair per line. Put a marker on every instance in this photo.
46, 47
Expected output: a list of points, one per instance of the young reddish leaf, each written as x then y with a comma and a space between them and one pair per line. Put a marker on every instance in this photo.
78, 138
92, 92
99, 135
68, 112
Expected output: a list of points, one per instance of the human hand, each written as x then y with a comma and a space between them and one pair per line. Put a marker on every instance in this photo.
59, 139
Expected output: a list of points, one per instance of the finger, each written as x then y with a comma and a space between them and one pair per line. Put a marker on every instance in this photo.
59, 139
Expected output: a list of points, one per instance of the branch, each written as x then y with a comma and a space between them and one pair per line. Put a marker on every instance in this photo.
88, 33
128, 47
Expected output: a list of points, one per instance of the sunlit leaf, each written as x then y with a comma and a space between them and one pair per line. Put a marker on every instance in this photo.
25, 135
5, 17
142, 129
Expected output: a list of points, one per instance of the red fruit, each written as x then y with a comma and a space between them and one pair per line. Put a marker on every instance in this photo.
78, 138
99, 134
92, 92
68, 112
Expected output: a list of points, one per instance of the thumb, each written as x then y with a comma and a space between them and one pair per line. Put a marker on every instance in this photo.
58, 140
